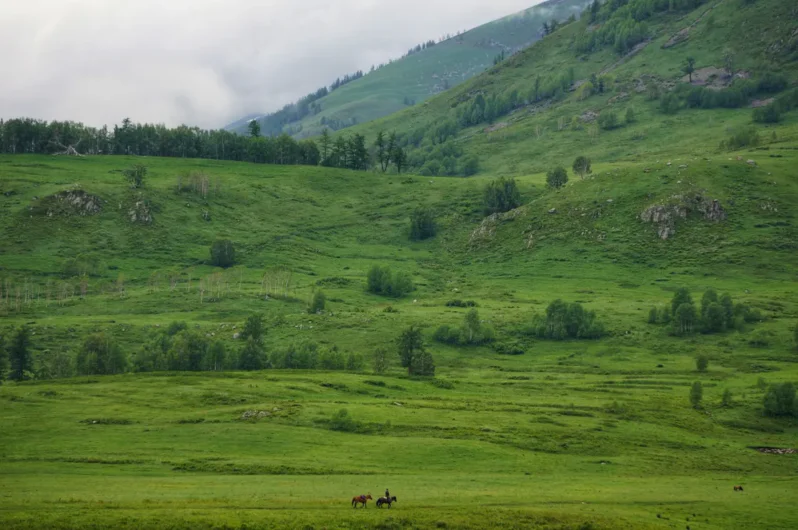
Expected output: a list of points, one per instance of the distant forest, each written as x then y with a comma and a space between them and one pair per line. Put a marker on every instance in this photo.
29, 136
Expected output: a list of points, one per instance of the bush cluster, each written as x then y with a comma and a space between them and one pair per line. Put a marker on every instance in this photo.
566, 321
382, 281
716, 314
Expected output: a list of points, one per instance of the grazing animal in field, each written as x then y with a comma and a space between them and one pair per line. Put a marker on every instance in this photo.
361, 499
386, 500
738, 488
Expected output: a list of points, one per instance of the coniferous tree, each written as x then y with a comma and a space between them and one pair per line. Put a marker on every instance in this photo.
20, 359
254, 129
696, 394
324, 144
3, 360
382, 151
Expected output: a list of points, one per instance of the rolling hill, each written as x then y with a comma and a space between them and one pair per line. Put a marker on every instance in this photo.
648, 423
415, 77
544, 106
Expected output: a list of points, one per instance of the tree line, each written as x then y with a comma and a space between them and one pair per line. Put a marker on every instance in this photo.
29, 136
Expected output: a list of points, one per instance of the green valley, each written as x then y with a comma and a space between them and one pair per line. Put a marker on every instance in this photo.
596, 329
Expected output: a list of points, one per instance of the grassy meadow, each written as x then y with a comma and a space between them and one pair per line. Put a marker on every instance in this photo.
572, 434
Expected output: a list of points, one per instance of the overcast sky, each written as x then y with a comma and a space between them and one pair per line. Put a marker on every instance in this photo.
203, 62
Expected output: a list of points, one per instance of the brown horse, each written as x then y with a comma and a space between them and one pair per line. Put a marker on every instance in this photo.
738, 488
361, 499
386, 500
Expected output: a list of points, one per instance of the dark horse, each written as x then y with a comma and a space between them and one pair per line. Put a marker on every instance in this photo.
738, 488
360, 499
385, 500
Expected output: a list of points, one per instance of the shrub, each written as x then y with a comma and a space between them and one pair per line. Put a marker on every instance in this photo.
669, 103
582, 166
422, 224
567, 321
500, 196
380, 361
135, 175
696, 394
702, 363
342, 421
653, 316
760, 339
780, 400
469, 166
509, 348
745, 138
354, 362
727, 400
382, 281
767, 114
461, 303
630, 115
608, 120
557, 177
317, 303
446, 335
223, 254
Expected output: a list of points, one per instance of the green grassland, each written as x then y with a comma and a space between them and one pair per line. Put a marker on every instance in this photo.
570, 434
421, 75
579, 434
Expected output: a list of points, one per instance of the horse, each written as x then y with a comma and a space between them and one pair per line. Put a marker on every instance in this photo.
386, 500
738, 488
361, 499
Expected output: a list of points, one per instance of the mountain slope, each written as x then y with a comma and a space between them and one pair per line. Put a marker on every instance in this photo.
535, 110
417, 76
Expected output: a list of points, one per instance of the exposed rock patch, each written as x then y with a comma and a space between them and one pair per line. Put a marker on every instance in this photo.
775, 451
69, 203
666, 216
487, 228
140, 213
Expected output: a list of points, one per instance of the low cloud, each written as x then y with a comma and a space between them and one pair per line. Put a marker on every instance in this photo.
203, 62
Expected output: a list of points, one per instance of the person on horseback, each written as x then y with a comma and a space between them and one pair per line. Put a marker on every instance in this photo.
387, 494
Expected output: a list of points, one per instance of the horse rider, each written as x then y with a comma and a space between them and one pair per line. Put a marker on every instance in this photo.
387, 494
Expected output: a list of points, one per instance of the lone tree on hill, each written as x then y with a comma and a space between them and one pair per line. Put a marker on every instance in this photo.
422, 224
582, 166
501, 196
557, 178
780, 400
412, 353
317, 303
223, 254
254, 129
696, 394
689, 68
702, 363
19, 355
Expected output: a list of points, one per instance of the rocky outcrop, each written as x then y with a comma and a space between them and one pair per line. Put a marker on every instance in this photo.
679, 207
140, 213
70, 203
